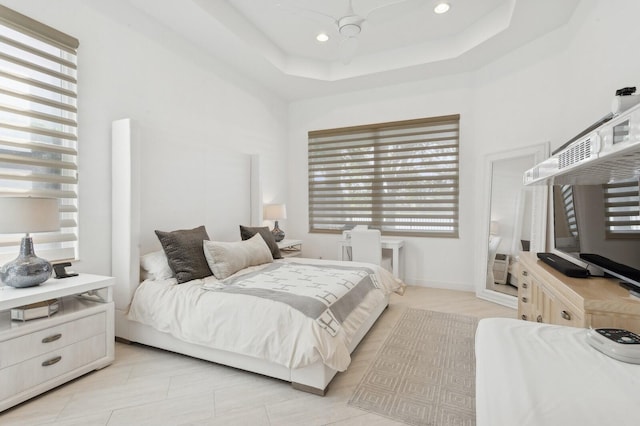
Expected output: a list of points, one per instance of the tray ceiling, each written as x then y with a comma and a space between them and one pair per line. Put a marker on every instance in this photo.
274, 41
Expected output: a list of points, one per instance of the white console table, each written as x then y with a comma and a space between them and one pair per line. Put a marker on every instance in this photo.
40, 354
393, 244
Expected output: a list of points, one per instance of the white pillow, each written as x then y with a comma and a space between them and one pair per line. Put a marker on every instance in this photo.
156, 265
227, 258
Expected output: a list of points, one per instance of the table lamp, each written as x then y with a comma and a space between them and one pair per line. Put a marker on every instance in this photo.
27, 215
275, 212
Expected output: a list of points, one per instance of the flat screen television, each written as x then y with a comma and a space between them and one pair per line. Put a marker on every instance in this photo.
600, 220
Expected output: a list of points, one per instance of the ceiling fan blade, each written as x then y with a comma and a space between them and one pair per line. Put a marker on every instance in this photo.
392, 12
350, 8
289, 6
347, 49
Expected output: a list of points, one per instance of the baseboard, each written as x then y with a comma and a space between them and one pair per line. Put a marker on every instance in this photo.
442, 285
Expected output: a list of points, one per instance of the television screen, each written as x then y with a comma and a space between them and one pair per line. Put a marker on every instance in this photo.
598, 219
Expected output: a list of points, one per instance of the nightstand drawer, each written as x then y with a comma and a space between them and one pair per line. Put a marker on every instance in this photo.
18, 349
32, 372
499, 266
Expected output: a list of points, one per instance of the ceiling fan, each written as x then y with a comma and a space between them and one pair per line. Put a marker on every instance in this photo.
349, 25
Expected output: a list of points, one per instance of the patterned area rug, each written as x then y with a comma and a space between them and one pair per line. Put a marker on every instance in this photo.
424, 374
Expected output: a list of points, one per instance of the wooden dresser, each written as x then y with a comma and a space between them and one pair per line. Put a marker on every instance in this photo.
546, 295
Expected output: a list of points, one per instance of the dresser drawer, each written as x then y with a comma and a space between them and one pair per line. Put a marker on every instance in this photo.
31, 345
47, 366
524, 283
563, 314
525, 309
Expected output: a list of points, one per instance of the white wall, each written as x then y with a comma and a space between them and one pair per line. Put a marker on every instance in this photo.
130, 67
548, 90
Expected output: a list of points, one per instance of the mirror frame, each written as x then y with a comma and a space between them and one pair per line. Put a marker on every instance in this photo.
538, 223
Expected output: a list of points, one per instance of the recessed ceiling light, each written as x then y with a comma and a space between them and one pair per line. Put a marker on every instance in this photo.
441, 8
322, 37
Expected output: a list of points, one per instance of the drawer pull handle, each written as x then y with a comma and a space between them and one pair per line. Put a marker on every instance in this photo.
566, 315
52, 338
525, 274
539, 318
525, 285
524, 317
51, 361
524, 300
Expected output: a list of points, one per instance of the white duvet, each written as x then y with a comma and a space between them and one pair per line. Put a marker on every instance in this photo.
253, 326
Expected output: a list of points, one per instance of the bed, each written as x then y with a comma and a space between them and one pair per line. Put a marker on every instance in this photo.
539, 374
304, 347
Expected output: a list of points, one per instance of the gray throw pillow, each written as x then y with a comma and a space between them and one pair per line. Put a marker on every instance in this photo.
185, 254
247, 232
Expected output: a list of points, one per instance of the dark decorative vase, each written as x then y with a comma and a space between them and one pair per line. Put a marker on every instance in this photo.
278, 233
26, 270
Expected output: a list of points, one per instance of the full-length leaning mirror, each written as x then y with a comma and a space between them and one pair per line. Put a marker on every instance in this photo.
513, 219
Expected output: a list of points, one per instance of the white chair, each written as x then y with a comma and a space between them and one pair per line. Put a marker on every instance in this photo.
366, 246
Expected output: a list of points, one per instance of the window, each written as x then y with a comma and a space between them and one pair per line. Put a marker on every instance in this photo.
38, 129
400, 177
622, 209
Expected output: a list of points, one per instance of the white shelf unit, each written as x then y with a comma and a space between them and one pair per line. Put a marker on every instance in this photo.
43, 353
609, 152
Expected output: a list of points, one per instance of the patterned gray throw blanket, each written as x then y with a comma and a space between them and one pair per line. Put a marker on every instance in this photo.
327, 294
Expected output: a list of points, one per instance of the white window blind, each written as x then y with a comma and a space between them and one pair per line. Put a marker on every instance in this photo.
622, 209
400, 177
38, 128
569, 208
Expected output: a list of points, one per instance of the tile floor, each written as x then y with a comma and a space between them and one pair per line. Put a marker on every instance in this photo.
146, 386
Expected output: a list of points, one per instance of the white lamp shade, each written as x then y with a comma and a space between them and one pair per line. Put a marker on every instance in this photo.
275, 211
28, 214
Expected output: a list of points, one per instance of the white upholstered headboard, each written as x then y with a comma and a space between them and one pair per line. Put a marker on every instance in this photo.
168, 186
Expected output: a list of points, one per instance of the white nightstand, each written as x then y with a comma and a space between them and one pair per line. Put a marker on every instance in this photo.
501, 268
290, 248
43, 353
